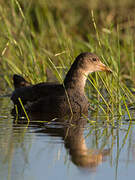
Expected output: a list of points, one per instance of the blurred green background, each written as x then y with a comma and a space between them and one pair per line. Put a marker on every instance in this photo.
41, 38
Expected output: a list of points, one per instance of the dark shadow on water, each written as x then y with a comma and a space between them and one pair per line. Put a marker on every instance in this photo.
71, 130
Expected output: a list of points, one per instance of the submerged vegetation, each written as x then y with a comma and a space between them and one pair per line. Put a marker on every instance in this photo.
40, 38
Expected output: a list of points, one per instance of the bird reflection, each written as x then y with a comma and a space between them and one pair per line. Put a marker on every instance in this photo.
71, 130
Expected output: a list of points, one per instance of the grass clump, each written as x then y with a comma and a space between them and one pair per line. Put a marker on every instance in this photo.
40, 35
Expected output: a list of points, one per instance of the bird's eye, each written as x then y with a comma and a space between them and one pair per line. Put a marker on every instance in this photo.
94, 59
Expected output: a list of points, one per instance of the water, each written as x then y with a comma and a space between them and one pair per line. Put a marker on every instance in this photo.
38, 151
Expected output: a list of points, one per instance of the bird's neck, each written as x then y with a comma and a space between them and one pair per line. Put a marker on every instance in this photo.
75, 79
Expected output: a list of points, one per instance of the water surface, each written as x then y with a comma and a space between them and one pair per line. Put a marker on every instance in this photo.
38, 151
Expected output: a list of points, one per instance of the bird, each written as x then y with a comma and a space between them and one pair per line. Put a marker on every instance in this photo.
58, 99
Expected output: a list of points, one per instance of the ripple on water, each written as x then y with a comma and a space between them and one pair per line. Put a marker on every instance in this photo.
30, 149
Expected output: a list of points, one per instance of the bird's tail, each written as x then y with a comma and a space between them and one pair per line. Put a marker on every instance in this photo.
19, 81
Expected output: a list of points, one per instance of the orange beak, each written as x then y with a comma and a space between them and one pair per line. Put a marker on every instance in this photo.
102, 67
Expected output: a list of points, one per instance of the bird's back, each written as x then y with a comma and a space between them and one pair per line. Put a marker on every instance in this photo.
48, 98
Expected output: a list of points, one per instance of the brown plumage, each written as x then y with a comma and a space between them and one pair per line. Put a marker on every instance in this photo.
68, 97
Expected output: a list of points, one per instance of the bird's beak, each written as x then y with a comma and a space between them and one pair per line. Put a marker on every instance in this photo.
102, 67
